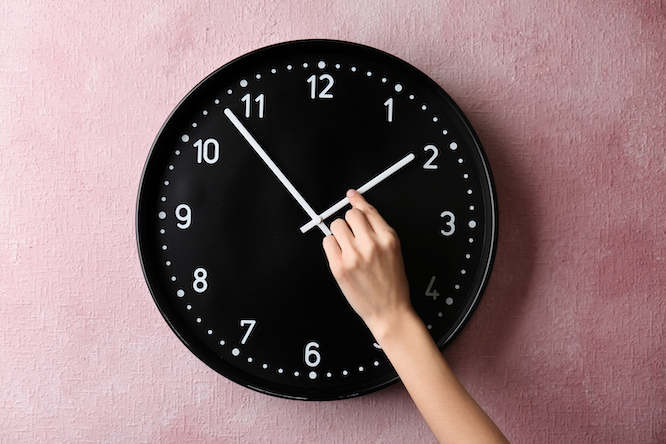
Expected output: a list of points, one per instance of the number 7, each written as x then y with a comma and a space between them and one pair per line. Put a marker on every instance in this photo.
250, 323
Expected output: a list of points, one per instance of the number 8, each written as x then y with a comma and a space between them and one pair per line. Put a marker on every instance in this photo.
200, 284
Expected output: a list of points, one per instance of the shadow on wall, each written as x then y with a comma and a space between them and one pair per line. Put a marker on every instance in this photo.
492, 326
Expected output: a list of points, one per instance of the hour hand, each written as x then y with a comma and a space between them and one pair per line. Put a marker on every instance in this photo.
362, 189
315, 219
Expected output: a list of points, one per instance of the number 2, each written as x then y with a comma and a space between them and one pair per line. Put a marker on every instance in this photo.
429, 165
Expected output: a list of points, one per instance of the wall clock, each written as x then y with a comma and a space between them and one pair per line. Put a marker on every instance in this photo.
249, 170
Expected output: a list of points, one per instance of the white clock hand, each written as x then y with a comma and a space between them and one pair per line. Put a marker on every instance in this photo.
366, 187
316, 220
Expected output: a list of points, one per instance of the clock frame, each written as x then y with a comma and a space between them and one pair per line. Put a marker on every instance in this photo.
233, 258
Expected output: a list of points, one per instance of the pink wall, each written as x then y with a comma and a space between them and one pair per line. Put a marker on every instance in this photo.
569, 99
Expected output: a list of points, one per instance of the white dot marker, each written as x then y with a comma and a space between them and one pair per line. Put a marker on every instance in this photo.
321, 65
449, 301
243, 83
185, 138
162, 215
453, 146
472, 224
235, 352
312, 375
180, 293
398, 87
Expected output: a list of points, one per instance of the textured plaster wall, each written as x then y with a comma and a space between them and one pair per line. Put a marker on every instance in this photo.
569, 99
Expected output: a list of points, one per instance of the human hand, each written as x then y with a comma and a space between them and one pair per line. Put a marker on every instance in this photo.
365, 258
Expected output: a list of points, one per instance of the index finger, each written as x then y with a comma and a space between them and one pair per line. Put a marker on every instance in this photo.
375, 219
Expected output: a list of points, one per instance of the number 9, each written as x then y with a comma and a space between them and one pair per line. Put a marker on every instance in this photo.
185, 219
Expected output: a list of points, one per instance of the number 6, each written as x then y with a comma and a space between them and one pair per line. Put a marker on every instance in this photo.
312, 355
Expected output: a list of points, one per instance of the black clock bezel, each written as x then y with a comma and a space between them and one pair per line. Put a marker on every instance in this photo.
150, 180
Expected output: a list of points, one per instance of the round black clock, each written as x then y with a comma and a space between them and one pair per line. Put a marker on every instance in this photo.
244, 179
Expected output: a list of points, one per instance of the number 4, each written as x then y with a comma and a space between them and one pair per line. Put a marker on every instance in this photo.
430, 291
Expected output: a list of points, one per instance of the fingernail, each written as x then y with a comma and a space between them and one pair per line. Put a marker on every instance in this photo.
351, 193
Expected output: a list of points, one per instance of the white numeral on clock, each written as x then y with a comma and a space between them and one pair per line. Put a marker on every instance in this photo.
389, 109
429, 165
250, 323
204, 151
450, 224
200, 284
260, 99
324, 93
184, 215
312, 355
431, 291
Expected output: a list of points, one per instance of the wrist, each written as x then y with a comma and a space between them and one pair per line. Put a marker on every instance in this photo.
396, 327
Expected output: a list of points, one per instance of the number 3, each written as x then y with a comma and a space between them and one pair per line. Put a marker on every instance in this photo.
450, 225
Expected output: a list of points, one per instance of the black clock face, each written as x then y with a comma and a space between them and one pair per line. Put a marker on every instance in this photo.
244, 179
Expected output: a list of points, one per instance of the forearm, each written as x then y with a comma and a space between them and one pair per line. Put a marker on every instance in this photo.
449, 410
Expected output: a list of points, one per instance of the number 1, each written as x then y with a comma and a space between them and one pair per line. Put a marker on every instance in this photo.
389, 109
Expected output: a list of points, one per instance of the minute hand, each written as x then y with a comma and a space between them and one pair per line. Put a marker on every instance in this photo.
316, 220
362, 189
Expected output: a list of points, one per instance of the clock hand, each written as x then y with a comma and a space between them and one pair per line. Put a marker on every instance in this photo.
316, 220
366, 187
